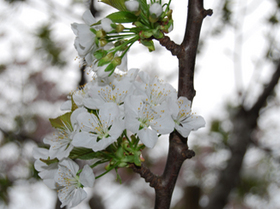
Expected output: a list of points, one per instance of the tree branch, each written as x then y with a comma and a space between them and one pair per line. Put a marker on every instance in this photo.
196, 14
244, 123
178, 148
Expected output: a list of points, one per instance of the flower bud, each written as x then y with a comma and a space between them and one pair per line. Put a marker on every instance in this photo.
102, 42
133, 6
106, 25
119, 28
117, 61
100, 34
155, 12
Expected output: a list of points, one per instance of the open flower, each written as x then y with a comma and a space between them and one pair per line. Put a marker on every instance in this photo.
185, 121
102, 94
46, 171
61, 141
85, 40
101, 130
154, 91
145, 122
71, 184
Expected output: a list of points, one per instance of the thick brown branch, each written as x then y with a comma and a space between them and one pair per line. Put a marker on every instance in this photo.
147, 175
196, 14
177, 154
170, 45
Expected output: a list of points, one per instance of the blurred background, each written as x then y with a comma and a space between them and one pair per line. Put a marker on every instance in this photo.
238, 53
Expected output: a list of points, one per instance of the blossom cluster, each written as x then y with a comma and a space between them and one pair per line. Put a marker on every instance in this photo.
112, 118
104, 44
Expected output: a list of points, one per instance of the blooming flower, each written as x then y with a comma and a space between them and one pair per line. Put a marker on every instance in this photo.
85, 40
99, 131
61, 141
46, 172
154, 91
142, 119
80, 95
185, 121
102, 94
71, 192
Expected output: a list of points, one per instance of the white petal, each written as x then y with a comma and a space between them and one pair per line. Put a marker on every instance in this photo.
148, 137
66, 106
163, 125
156, 9
103, 144
88, 18
87, 121
84, 139
190, 124
132, 6
50, 183
71, 165
75, 114
40, 153
78, 197
108, 112
106, 25
87, 177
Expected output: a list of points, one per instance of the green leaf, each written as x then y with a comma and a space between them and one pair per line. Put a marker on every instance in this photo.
122, 17
62, 121
118, 4
157, 34
137, 159
149, 44
88, 156
49, 161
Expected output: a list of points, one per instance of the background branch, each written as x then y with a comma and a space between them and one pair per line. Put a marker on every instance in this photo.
244, 123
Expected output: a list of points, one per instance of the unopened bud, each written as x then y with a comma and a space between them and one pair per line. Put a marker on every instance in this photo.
117, 61
119, 28
133, 6
102, 42
155, 12
100, 34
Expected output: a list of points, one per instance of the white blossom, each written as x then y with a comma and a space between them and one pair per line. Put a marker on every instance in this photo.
155, 92
61, 141
46, 172
99, 131
71, 185
85, 40
185, 121
141, 119
102, 94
